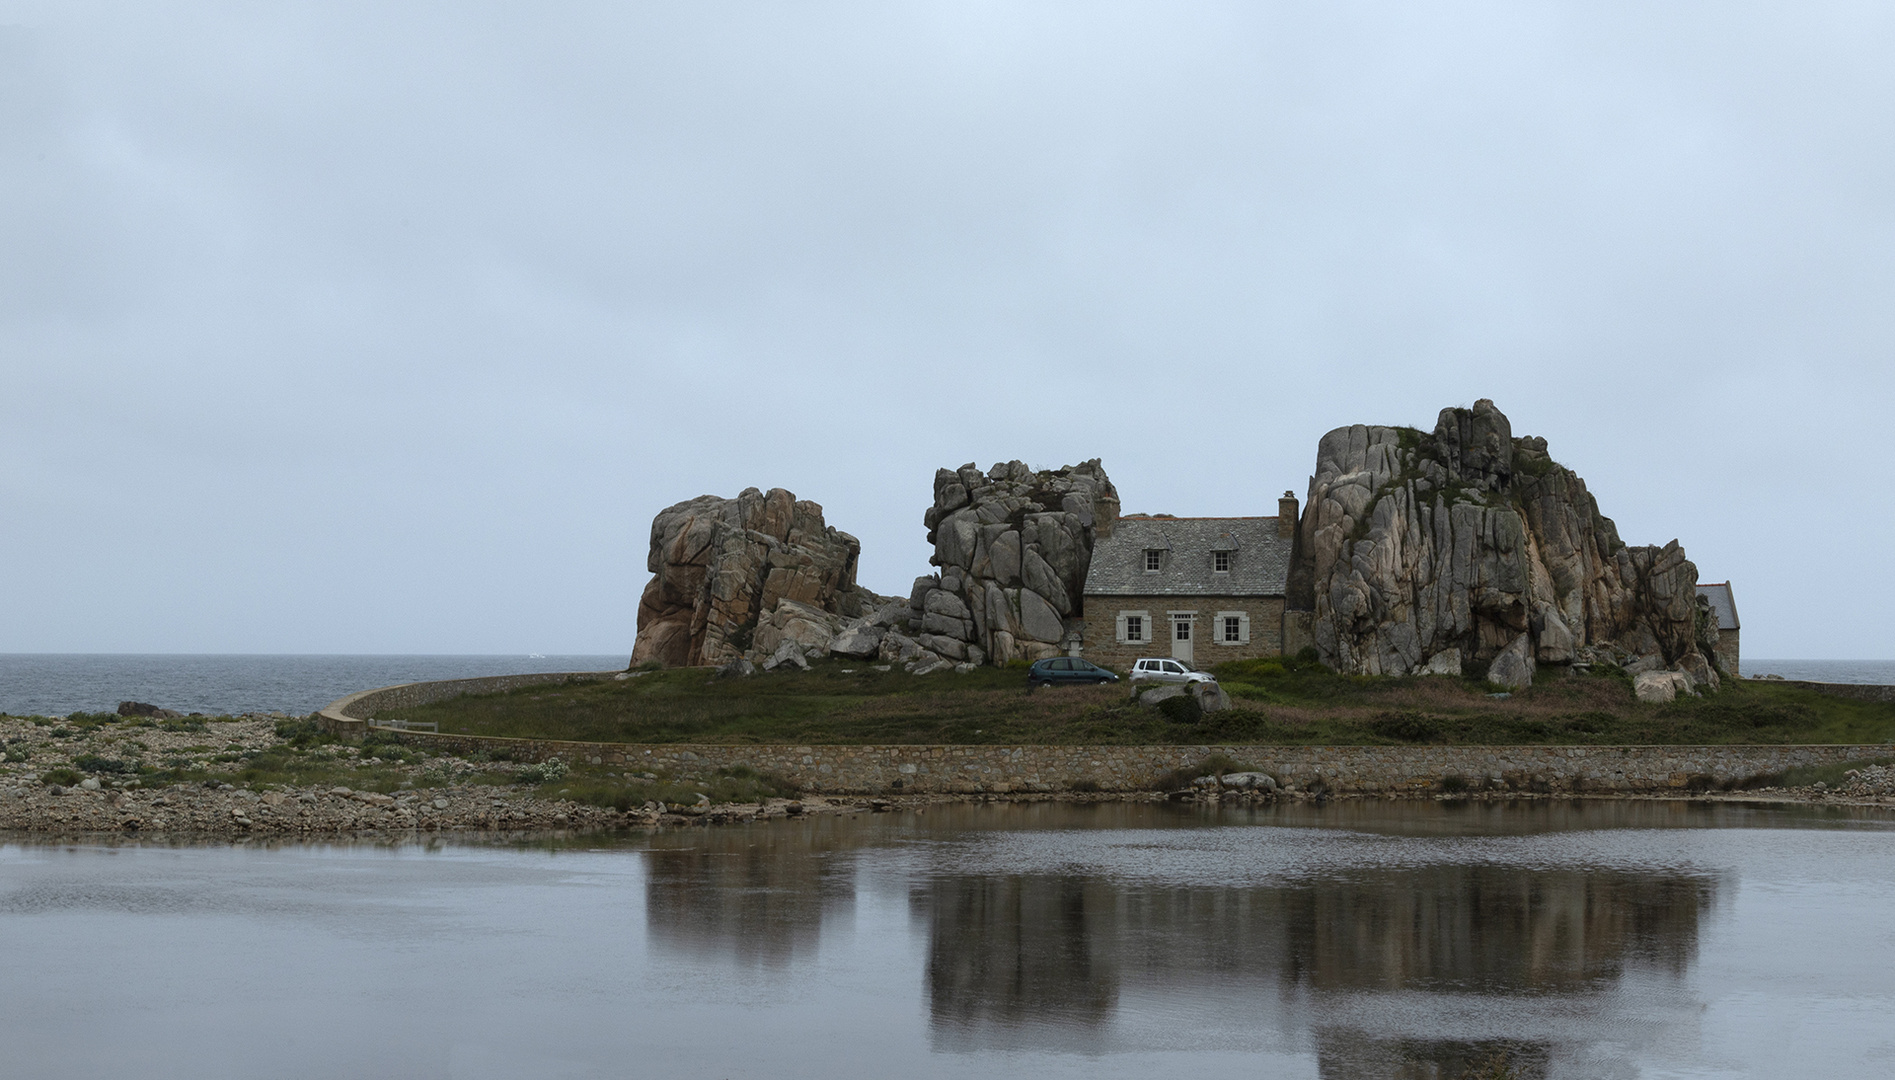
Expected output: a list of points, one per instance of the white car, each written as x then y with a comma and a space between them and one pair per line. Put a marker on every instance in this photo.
1166, 670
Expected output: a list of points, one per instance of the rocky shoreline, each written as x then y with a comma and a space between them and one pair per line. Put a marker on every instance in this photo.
211, 778
339, 812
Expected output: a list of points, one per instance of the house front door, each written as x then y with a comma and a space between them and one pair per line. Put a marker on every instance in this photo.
1181, 638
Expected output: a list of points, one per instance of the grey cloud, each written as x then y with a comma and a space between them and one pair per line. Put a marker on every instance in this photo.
389, 326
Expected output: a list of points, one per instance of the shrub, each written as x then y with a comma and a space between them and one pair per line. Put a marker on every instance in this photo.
93, 763
303, 732
62, 776
549, 771
1183, 709
1406, 726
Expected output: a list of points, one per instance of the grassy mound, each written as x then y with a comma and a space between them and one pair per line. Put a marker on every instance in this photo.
1278, 701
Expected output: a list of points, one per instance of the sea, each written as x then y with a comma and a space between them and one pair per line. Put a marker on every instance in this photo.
54, 684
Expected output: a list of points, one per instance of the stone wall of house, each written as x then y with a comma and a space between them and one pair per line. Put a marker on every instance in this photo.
1102, 647
862, 770
1726, 650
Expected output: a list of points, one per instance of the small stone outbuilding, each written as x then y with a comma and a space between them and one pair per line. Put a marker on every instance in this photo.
1725, 608
1203, 590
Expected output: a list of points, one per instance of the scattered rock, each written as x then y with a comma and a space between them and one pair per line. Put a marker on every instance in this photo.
141, 708
1250, 781
739, 668
1513, 668
859, 642
1660, 686
789, 652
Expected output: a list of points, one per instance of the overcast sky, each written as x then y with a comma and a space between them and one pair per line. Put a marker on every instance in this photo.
389, 327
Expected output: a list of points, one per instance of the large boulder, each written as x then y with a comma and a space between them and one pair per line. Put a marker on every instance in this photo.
1470, 542
728, 571
1013, 545
1658, 687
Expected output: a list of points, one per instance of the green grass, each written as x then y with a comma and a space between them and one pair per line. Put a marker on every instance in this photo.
1286, 701
602, 787
1825, 774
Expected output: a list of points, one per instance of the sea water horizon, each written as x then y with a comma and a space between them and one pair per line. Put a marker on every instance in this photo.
51, 684
217, 683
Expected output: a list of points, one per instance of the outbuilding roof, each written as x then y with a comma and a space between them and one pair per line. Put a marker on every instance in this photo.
1259, 559
1719, 595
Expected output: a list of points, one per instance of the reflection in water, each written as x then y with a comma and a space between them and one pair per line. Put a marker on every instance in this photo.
1349, 1054
1007, 951
1034, 938
1054, 952
757, 894
1491, 929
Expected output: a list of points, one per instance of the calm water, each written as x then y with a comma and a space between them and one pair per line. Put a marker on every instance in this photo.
1584, 940
1880, 672
59, 683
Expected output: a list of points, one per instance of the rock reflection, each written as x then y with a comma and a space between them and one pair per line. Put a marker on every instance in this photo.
758, 895
1492, 929
1348, 1055
1388, 959
1005, 952
1042, 960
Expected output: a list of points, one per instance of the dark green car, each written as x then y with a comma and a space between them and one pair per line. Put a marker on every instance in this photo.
1067, 669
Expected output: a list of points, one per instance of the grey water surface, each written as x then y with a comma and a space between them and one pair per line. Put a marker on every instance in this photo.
59, 683
1348, 940
1878, 672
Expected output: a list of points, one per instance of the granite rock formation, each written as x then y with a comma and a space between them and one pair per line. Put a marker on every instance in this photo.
1470, 550
1013, 546
744, 576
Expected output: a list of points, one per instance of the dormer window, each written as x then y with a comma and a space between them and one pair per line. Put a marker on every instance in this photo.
1151, 560
1220, 561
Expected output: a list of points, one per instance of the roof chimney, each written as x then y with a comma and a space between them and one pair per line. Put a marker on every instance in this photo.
1286, 514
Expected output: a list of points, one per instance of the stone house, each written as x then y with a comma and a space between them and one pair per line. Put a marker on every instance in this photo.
1725, 608
1203, 590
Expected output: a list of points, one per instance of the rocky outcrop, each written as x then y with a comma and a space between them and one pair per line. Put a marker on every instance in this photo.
1468, 548
741, 577
1013, 546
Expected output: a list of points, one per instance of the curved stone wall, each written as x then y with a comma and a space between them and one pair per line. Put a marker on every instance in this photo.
350, 715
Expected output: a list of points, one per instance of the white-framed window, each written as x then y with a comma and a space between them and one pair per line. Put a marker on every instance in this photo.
1134, 627
1153, 556
1232, 628
1181, 627
1220, 562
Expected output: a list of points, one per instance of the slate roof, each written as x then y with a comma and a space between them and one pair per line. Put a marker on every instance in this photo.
1259, 559
1720, 597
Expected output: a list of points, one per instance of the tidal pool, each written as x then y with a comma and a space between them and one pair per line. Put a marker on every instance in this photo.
1570, 939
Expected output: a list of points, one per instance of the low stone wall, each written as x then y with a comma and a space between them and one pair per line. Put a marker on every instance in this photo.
349, 715
862, 770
